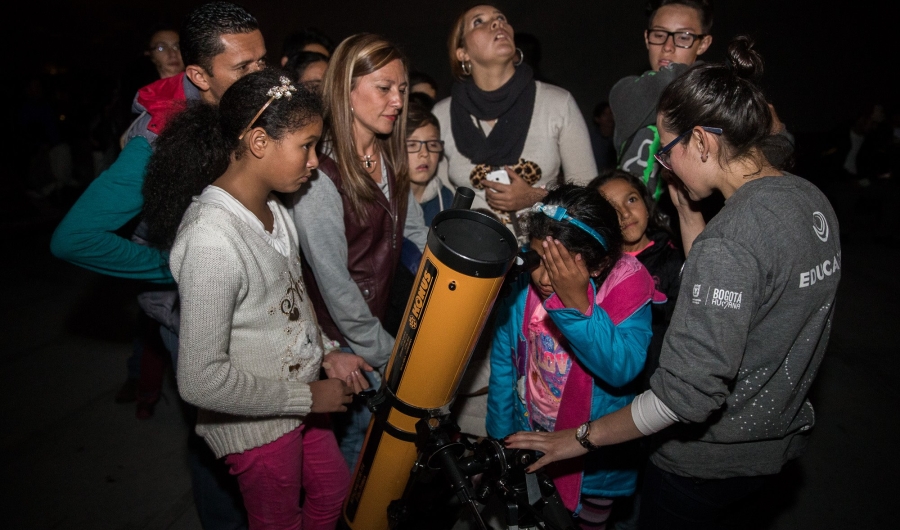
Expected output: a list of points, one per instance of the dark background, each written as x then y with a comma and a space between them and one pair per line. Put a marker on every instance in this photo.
826, 61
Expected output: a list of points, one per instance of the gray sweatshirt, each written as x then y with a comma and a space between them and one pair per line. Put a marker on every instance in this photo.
749, 332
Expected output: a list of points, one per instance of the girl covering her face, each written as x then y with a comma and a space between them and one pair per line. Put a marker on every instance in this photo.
569, 333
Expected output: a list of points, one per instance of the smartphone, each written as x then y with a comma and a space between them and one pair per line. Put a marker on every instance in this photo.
499, 175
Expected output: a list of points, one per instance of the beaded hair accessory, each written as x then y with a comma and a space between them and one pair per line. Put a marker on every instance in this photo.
558, 213
285, 89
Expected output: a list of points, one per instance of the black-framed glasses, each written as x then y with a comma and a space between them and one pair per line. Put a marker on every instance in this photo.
662, 156
432, 146
681, 39
161, 47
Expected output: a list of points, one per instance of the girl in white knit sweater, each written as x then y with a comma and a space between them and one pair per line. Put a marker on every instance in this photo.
250, 347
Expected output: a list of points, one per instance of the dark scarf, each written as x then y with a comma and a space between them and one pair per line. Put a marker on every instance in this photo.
511, 105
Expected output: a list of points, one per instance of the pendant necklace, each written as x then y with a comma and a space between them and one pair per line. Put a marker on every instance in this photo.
368, 162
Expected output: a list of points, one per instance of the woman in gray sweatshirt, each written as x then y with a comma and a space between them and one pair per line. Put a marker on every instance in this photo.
754, 312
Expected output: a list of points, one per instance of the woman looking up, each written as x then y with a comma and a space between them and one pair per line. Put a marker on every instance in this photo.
752, 319
503, 131
353, 217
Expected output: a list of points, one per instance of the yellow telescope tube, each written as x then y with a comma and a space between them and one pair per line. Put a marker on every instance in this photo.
464, 265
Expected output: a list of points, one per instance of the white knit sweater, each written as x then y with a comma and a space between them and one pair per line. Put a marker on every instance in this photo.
249, 342
557, 141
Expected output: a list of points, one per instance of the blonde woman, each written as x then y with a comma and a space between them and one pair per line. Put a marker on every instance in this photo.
355, 214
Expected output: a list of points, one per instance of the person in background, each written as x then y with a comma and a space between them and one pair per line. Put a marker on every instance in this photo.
422, 83
508, 137
165, 53
728, 404
646, 236
306, 40
352, 218
308, 68
678, 32
424, 148
601, 131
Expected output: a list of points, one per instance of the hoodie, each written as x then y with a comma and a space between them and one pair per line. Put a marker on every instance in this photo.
633, 101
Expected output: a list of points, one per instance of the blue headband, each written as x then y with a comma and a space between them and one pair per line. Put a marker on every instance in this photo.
557, 212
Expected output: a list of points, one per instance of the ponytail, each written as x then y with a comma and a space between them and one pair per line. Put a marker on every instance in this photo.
726, 96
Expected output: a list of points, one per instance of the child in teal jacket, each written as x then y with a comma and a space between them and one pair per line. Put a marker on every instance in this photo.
571, 337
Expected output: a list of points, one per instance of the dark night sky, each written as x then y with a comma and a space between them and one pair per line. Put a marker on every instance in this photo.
824, 59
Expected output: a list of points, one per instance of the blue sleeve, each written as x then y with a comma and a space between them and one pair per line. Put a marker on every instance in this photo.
615, 354
502, 395
87, 235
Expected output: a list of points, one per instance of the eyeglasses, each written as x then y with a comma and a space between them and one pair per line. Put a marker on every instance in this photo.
433, 146
164, 47
681, 39
662, 156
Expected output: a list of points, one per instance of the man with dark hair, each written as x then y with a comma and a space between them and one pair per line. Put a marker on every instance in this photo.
220, 43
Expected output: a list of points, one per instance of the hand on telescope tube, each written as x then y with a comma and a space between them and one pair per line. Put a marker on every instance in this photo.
347, 367
568, 275
330, 395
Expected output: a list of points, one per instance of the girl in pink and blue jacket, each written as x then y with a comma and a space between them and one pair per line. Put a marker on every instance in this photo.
570, 338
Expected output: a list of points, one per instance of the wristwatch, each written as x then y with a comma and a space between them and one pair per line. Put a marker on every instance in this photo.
582, 433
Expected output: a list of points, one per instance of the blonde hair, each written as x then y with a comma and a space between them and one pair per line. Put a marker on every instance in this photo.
357, 56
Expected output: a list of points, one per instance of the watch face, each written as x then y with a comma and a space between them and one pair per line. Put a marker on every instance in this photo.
581, 431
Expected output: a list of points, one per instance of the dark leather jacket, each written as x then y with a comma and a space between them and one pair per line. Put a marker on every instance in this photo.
373, 249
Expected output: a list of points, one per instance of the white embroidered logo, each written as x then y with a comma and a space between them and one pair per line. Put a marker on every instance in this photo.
727, 299
696, 290
820, 225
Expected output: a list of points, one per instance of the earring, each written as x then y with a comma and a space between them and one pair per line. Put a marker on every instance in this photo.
521, 56
466, 67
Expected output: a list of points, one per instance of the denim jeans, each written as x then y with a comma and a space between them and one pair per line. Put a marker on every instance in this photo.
216, 494
674, 502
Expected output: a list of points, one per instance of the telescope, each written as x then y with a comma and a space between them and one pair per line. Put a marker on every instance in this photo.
468, 258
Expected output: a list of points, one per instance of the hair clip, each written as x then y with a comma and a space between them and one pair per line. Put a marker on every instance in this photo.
558, 213
285, 89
